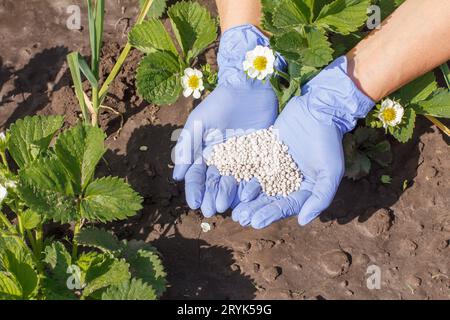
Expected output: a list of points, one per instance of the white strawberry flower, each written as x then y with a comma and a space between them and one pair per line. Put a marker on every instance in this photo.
3, 193
391, 113
192, 83
259, 62
2, 137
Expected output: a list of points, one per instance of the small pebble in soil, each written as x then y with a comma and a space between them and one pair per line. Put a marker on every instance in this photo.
234, 267
414, 281
336, 263
205, 226
143, 148
272, 273
344, 283
349, 292
261, 155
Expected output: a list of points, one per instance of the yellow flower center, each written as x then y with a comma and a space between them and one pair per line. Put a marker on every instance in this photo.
389, 114
193, 82
260, 63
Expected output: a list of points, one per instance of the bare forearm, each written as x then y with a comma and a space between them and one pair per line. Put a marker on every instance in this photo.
412, 41
238, 12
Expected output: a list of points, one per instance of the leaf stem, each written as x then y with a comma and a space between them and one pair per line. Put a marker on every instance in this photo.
39, 238
5, 162
123, 55
74, 241
95, 106
32, 242
20, 224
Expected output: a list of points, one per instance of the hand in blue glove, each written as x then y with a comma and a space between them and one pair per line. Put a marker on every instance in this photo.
312, 126
237, 106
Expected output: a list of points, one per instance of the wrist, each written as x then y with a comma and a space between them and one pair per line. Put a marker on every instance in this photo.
364, 77
333, 97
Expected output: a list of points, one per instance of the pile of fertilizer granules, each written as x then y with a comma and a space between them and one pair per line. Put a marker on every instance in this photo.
258, 154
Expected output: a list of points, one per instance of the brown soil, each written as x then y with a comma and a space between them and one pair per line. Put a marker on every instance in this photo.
405, 233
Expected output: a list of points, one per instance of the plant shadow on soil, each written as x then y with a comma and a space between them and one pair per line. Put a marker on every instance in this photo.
5, 73
42, 74
361, 199
196, 269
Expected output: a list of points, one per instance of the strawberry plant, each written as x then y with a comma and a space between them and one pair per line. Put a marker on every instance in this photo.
56, 184
310, 34
160, 73
90, 106
363, 146
304, 32
420, 97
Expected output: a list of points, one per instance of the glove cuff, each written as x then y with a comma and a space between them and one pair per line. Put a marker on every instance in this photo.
334, 97
234, 44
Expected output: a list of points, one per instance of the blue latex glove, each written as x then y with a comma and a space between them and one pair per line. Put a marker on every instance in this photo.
237, 106
312, 126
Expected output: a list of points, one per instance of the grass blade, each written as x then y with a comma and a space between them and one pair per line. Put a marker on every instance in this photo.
123, 54
99, 19
92, 36
446, 72
74, 66
87, 71
439, 124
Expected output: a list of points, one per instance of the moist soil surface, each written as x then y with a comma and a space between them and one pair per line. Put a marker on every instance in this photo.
404, 233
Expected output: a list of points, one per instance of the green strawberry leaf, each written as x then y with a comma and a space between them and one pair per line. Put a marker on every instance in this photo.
343, 16
417, 90
22, 271
47, 189
319, 51
30, 219
156, 9
362, 146
291, 14
9, 287
289, 44
193, 26
109, 272
437, 105
309, 49
268, 8
80, 149
57, 260
145, 263
98, 238
14, 244
158, 78
357, 164
135, 289
31, 136
108, 199
151, 36
380, 153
